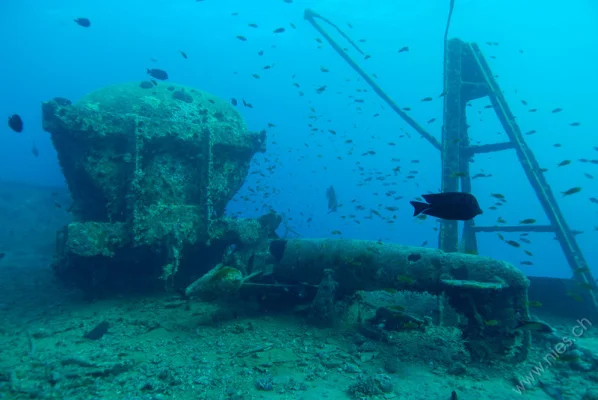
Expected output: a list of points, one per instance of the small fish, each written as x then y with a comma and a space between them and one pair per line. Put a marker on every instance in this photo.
252, 25
557, 110
453, 206
157, 73
332, 201
454, 395
512, 243
34, 151
234, 102
278, 30
534, 303
571, 191
403, 49
426, 99
241, 38
183, 54
527, 221
575, 297
569, 358
97, 332
586, 285
574, 124
15, 123
491, 322
406, 279
563, 163
535, 326
84, 22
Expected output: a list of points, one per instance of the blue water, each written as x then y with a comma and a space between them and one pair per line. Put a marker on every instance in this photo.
45, 54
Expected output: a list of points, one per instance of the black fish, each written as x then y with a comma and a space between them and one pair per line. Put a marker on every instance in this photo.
84, 22
97, 332
454, 395
332, 202
16, 123
157, 73
453, 206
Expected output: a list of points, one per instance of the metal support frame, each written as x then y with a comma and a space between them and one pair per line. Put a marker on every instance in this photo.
467, 76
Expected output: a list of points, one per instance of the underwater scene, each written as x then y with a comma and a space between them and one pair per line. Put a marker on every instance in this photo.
298, 200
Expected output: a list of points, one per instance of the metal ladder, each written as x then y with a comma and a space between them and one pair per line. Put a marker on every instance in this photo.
467, 76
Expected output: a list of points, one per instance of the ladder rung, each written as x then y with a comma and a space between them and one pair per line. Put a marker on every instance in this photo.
516, 228
488, 148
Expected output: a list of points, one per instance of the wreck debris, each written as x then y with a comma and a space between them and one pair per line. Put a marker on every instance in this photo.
149, 177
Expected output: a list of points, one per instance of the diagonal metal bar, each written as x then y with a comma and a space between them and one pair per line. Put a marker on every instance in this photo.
310, 16
565, 236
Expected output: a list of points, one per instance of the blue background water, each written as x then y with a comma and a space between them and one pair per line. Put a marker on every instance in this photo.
45, 54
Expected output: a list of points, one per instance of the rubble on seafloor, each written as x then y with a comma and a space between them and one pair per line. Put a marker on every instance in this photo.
256, 315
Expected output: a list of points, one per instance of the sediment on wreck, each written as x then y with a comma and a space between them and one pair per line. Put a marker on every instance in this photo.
480, 288
150, 169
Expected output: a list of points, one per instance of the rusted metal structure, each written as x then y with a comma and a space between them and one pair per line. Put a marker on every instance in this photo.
467, 77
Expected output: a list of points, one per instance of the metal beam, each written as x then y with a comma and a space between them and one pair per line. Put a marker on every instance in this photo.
516, 228
310, 16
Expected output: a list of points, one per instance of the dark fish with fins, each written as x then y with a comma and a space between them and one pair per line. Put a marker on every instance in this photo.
157, 73
15, 123
332, 201
96, 333
452, 206
84, 22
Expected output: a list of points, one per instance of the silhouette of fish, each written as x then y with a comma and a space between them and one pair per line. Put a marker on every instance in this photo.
84, 22
157, 73
332, 202
15, 123
453, 206
96, 333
